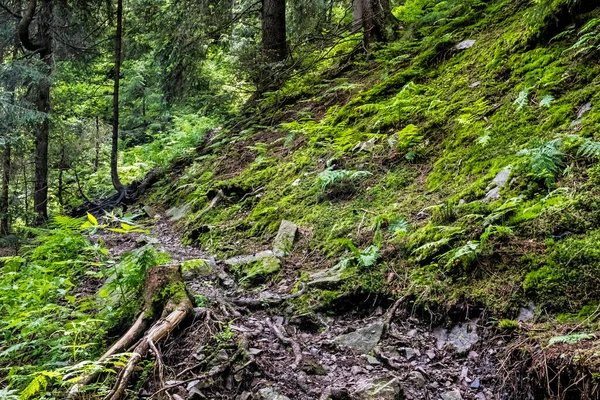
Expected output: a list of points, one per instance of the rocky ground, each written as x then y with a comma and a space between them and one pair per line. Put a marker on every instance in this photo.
249, 344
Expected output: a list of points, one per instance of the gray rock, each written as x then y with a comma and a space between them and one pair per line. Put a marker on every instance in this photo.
462, 337
475, 84
269, 393
497, 183
526, 313
411, 353
284, 241
355, 370
248, 259
465, 44
378, 389
582, 111
177, 213
362, 340
452, 395
441, 336
372, 360
475, 384
193, 269
326, 279
430, 354
417, 378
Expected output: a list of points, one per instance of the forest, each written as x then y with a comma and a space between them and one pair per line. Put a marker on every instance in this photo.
300, 199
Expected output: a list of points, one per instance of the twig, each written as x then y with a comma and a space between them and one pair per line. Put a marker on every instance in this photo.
295, 346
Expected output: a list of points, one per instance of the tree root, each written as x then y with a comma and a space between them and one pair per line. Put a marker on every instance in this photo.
285, 340
266, 302
389, 315
175, 309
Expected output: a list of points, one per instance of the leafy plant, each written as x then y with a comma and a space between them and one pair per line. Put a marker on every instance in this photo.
330, 177
546, 161
573, 338
589, 148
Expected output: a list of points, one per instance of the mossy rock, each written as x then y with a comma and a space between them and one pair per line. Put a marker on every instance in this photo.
261, 271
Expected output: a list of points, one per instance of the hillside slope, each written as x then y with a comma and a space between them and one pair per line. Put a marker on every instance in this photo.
457, 165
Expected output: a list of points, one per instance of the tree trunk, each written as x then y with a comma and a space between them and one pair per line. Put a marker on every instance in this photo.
97, 158
4, 217
61, 168
377, 20
357, 14
40, 194
274, 43
43, 46
114, 154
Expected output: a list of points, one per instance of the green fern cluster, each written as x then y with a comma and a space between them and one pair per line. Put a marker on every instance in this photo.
330, 177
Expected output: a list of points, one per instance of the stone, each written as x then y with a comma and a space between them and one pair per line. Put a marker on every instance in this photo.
326, 279
441, 336
248, 259
475, 84
355, 370
193, 269
475, 384
378, 389
462, 337
284, 241
417, 378
582, 111
473, 355
269, 393
526, 313
465, 44
497, 183
411, 353
430, 354
372, 360
362, 340
452, 395
178, 213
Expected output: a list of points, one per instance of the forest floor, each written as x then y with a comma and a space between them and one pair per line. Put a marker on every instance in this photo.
244, 344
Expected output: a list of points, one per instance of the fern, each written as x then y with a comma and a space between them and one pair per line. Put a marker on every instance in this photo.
522, 99
573, 338
589, 148
399, 226
546, 101
67, 223
330, 177
547, 161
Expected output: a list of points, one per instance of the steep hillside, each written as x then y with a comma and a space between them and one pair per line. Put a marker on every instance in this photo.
456, 166
459, 160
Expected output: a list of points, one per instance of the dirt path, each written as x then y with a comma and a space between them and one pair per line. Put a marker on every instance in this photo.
229, 351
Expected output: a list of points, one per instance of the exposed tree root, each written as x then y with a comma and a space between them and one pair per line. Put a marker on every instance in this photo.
164, 293
267, 301
285, 340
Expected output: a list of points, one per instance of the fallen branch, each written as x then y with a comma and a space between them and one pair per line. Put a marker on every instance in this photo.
285, 340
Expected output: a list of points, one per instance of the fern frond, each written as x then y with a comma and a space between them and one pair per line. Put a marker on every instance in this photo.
67, 223
589, 148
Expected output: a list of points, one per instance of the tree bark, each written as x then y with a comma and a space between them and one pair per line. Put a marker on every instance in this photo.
114, 154
4, 217
274, 41
357, 14
377, 20
97, 158
43, 46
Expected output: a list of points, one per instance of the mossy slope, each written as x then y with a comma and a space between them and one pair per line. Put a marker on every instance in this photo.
399, 152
